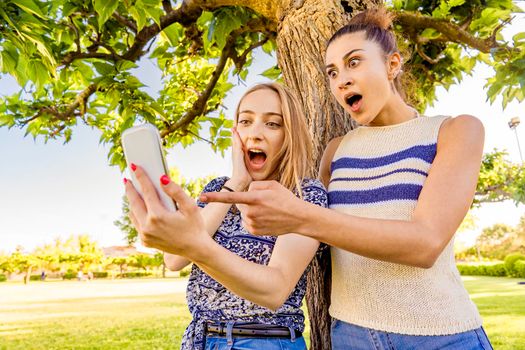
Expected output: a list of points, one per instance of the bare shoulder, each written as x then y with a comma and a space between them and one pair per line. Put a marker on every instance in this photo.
464, 129
332, 145
326, 160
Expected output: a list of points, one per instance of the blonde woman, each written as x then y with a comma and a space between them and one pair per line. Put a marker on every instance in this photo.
236, 272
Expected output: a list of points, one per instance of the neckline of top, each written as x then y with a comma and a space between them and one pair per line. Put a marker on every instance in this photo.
417, 116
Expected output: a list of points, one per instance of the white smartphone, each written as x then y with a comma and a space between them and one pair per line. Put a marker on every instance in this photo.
142, 146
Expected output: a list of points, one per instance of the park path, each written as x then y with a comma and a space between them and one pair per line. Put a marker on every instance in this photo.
14, 294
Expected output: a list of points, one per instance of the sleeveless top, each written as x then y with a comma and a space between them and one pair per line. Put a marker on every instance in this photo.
208, 300
378, 172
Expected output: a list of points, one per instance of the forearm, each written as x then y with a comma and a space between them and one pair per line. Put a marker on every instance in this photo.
175, 262
261, 284
404, 242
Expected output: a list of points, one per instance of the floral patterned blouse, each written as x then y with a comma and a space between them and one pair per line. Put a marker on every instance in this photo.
209, 300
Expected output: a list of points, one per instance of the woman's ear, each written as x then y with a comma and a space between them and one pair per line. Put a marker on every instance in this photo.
394, 63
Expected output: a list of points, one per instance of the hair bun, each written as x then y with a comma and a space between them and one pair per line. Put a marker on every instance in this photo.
377, 16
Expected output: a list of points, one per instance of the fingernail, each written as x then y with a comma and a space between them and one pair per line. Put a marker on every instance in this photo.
203, 198
133, 167
164, 179
125, 180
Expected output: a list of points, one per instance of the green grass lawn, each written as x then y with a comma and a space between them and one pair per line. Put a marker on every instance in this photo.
152, 314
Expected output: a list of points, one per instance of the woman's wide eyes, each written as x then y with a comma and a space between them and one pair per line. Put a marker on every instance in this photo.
353, 62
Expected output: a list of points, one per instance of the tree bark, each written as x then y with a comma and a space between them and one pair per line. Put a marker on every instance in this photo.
304, 27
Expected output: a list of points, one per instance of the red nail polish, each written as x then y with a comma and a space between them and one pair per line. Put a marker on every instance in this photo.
125, 181
133, 167
164, 179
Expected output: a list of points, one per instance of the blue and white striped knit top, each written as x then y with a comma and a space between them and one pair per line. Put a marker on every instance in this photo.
378, 172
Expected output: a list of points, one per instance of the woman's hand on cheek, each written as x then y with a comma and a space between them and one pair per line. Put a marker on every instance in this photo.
241, 178
181, 232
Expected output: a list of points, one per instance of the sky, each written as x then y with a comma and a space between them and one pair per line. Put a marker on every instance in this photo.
56, 190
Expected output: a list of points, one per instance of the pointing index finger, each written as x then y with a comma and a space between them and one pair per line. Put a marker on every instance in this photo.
228, 197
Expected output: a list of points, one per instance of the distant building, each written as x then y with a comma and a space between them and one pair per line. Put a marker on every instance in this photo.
119, 251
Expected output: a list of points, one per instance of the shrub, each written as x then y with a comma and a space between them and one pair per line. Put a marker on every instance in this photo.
496, 270
70, 275
185, 271
134, 274
102, 274
510, 260
3, 278
34, 278
519, 266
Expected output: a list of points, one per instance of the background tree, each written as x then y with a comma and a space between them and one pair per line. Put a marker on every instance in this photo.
74, 60
500, 179
495, 242
141, 261
22, 263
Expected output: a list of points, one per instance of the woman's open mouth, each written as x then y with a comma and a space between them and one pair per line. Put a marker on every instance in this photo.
257, 158
354, 101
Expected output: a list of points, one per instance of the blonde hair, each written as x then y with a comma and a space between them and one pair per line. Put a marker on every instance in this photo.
295, 157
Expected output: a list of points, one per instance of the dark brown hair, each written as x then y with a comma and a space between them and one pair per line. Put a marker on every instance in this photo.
376, 22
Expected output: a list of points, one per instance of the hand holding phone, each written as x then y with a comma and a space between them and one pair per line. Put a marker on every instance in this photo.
142, 146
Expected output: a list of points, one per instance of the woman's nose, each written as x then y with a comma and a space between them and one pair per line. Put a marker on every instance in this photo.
255, 132
345, 81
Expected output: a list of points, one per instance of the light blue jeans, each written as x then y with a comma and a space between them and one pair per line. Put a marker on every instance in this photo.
221, 343
348, 336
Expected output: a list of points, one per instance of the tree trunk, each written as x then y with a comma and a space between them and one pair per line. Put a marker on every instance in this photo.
304, 28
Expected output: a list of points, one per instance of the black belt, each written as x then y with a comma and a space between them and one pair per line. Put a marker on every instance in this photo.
251, 330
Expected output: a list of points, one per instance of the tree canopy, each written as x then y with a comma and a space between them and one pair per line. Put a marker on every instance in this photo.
75, 60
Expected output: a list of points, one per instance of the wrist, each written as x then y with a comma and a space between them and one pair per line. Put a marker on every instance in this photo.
237, 185
203, 251
305, 222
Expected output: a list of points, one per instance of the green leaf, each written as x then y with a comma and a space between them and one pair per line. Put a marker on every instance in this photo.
519, 38
269, 47
221, 26
124, 65
29, 6
454, 3
9, 59
430, 33
104, 68
154, 13
173, 34
139, 15
105, 9
272, 73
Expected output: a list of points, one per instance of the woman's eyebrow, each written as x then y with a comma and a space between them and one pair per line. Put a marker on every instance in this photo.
265, 113
345, 57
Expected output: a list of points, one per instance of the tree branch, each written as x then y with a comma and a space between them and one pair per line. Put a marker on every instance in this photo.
425, 56
453, 32
80, 101
241, 60
125, 21
200, 105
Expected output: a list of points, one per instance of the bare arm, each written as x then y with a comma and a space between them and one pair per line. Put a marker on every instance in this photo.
183, 233
269, 285
444, 201
326, 161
